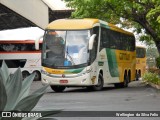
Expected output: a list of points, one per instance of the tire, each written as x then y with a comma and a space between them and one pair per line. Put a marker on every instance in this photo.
58, 88
137, 76
37, 76
100, 84
126, 81
25, 74
123, 84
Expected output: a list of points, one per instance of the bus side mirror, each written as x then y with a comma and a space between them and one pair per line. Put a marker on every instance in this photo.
91, 41
37, 43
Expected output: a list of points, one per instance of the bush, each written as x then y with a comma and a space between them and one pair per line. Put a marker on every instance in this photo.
154, 70
158, 62
151, 78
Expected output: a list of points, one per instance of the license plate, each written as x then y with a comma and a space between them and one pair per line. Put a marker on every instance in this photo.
63, 81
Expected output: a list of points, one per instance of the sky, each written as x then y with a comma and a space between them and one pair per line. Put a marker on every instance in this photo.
56, 4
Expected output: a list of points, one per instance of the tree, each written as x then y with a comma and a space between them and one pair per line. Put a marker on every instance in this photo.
144, 15
152, 54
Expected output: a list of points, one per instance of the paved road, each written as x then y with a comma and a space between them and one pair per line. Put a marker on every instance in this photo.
137, 97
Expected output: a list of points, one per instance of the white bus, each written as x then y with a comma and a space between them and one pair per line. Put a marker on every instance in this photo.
23, 54
87, 52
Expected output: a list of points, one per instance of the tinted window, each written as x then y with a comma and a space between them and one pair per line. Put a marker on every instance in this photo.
116, 40
13, 47
14, 63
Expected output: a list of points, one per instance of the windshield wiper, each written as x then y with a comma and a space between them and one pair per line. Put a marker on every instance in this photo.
73, 63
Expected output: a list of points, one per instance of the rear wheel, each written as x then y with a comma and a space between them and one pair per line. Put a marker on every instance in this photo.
137, 76
100, 84
58, 88
124, 83
37, 75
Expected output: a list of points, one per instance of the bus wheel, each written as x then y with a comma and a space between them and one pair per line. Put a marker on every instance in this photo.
37, 76
137, 76
25, 74
124, 83
100, 84
58, 88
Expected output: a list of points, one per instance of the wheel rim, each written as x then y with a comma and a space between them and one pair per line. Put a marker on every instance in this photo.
99, 85
37, 76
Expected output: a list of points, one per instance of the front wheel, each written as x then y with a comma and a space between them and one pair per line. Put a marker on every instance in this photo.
100, 84
58, 88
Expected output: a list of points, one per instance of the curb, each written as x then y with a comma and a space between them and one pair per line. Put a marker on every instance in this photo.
152, 85
155, 86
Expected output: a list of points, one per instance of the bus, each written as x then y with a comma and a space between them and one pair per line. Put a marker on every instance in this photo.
140, 61
87, 53
23, 54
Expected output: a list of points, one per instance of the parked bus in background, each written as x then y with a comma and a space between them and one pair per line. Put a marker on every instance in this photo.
140, 61
87, 53
21, 53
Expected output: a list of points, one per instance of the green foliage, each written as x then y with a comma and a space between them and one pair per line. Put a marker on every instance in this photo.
14, 92
143, 14
158, 19
151, 78
158, 62
151, 53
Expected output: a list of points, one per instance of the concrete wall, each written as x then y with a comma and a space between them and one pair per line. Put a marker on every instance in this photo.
34, 10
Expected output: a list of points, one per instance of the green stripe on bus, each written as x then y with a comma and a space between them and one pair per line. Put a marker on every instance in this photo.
70, 71
112, 62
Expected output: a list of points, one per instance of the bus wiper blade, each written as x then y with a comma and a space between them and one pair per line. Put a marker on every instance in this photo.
70, 57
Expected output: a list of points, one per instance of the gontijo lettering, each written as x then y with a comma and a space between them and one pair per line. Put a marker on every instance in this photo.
124, 56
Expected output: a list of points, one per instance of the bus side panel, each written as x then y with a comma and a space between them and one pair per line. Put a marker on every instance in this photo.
31, 61
112, 62
107, 62
126, 61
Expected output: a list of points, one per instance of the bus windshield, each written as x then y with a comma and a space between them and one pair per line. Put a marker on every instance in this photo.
65, 48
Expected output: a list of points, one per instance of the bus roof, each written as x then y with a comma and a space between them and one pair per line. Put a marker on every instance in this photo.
72, 24
86, 23
115, 28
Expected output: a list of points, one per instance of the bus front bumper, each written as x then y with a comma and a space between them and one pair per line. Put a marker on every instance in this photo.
81, 80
